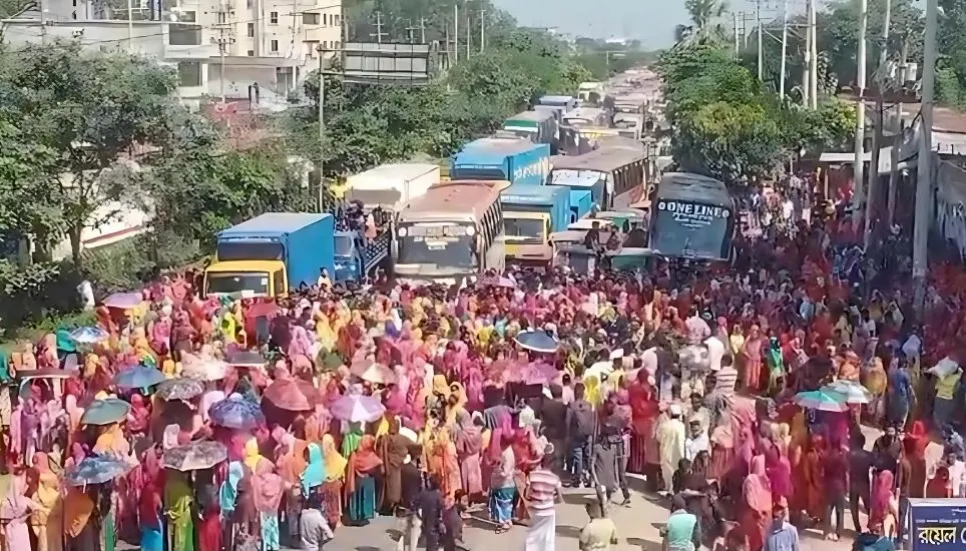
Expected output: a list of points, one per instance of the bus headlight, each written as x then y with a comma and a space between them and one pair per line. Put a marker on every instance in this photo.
470, 230
401, 232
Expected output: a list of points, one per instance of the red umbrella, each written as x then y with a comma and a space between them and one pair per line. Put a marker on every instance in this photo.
292, 395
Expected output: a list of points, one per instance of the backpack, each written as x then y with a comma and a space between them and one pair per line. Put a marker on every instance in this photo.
582, 419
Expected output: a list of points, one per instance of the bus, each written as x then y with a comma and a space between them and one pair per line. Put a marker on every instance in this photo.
614, 174
451, 234
692, 216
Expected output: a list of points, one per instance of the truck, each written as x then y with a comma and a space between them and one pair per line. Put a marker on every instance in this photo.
530, 215
537, 126
391, 186
581, 197
272, 254
492, 159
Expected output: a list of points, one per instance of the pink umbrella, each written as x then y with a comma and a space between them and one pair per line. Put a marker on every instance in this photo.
356, 408
123, 301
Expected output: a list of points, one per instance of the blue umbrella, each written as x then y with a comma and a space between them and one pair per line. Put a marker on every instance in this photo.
97, 469
236, 412
139, 376
105, 412
537, 341
89, 335
821, 400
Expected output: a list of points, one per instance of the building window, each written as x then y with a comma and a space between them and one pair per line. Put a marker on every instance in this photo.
222, 18
187, 17
251, 30
181, 34
189, 73
273, 18
337, 20
251, 53
325, 19
311, 46
310, 18
273, 45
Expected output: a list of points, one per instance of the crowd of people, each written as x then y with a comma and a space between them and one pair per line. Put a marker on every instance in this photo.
277, 421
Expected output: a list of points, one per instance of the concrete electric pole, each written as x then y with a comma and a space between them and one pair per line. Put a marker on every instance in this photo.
859, 195
882, 82
920, 240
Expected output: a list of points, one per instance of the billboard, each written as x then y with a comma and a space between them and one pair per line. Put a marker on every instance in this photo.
937, 524
384, 63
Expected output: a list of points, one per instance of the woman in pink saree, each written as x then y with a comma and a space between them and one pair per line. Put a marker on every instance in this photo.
751, 360
755, 516
469, 445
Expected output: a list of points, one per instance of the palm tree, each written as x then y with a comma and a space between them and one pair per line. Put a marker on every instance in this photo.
704, 20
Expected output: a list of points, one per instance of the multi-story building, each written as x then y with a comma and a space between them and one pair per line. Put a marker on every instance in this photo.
221, 48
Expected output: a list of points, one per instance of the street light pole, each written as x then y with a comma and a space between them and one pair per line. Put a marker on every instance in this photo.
858, 195
920, 239
321, 164
781, 86
879, 119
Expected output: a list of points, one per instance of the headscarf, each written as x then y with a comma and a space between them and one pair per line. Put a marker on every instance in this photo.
351, 439
334, 462
16, 503
251, 454
440, 386
756, 488
881, 495
779, 472
268, 487
361, 461
315, 472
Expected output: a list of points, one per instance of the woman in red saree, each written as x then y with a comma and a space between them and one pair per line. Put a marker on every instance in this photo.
885, 507
915, 443
811, 470
755, 515
644, 411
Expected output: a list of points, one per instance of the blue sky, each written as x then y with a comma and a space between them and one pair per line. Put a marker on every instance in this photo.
651, 21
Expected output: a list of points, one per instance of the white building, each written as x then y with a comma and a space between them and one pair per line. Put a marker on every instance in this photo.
220, 48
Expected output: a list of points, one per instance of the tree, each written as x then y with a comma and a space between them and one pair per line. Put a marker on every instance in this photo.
92, 110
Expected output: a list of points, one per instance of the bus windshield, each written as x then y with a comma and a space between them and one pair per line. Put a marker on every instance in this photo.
440, 244
692, 231
524, 230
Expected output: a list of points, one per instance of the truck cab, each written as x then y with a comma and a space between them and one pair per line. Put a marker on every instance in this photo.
356, 256
247, 278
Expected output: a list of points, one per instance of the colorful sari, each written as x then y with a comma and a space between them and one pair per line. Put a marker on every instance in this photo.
335, 466
178, 498
361, 483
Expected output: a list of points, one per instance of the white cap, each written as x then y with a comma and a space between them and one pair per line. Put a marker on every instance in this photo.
617, 354
675, 410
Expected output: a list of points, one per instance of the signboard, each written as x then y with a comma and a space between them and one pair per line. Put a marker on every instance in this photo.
385, 63
692, 215
937, 524
436, 231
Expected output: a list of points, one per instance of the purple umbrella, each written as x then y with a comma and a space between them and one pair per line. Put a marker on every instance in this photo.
124, 301
356, 408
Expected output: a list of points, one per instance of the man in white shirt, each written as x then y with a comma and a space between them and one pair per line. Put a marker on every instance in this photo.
716, 351
697, 440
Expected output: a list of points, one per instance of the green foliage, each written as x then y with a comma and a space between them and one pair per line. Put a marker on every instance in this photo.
726, 126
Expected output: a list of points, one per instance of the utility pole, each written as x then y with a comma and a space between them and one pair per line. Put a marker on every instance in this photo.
321, 197
410, 30
734, 17
897, 128
881, 84
224, 39
378, 34
924, 185
482, 29
761, 67
813, 54
456, 33
469, 33
130, 26
859, 195
422, 30
781, 86
806, 66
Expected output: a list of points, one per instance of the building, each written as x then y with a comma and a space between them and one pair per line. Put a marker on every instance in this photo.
220, 48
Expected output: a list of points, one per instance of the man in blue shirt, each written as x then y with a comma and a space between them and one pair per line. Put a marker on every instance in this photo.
782, 536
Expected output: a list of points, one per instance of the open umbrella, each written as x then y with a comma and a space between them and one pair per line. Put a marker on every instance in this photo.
852, 393
139, 376
105, 412
374, 373
195, 456
204, 368
356, 408
292, 394
124, 301
246, 358
821, 400
537, 341
89, 335
236, 412
180, 389
97, 469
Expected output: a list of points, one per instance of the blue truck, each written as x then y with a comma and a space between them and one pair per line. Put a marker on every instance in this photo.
276, 253
272, 254
530, 215
515, 160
